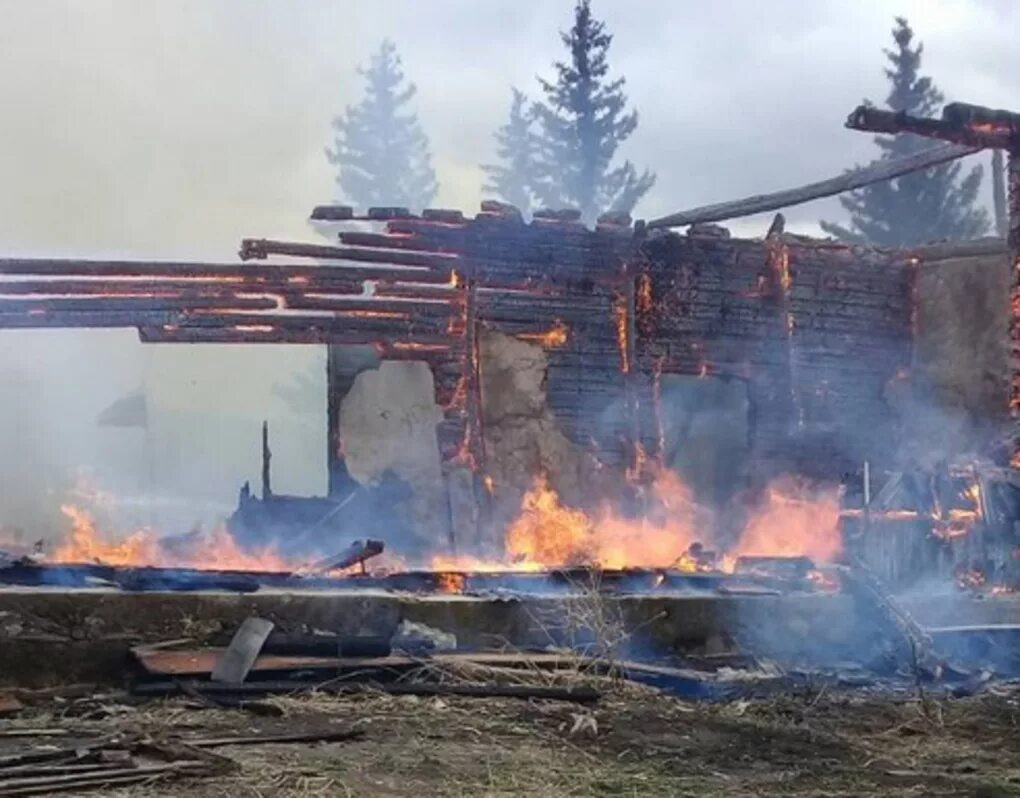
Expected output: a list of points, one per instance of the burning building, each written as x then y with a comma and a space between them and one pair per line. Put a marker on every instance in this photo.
623, 396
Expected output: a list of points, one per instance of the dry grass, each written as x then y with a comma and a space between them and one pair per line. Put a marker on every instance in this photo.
821, 743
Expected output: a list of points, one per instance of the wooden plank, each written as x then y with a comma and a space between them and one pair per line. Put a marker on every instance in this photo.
199, 662
242, 652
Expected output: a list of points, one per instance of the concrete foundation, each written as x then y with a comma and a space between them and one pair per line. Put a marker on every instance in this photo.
50, 637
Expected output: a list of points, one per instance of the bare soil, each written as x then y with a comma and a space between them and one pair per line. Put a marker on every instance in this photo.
634, 743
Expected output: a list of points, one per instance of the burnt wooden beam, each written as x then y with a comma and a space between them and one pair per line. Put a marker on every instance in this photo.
128, 287
355, 554
401, 308
246, 276
104, 304
392, 347
853, 179
260, 248
410, 290
332, 213
961, 124
961, 249
406, 241
339, 322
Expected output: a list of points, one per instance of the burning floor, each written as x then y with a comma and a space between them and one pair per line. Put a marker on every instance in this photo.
603, 638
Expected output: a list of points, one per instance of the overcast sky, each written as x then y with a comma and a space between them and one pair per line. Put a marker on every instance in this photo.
177, 127
174, 128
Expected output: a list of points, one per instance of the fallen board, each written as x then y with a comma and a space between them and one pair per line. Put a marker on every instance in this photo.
233, 665
197, 663
581, 694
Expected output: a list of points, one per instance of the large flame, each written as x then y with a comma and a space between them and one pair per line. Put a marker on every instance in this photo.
216, 549
795, 519
660, 531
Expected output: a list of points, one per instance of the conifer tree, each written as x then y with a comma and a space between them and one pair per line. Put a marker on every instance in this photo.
511, 179
932, 205
380, 150
582, 122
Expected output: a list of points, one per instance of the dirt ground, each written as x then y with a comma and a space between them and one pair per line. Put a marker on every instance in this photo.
635, 742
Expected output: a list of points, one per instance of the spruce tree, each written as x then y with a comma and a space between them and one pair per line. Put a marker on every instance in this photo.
380, 149
922, 206
582, 122
511, 179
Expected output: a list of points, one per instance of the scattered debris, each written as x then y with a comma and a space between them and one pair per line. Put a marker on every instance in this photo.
121, 761
355, 554
415, 637
326, 644
9, 705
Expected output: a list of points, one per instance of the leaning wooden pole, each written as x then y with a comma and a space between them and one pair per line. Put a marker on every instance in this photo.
848, 181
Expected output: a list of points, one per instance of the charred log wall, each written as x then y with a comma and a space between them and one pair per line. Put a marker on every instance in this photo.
554, 283
817, 331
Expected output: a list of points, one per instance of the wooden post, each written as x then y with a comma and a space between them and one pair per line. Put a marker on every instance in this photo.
475, 444
267, 456
1013, 188
999, 194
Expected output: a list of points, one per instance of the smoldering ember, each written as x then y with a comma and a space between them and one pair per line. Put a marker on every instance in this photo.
715, 515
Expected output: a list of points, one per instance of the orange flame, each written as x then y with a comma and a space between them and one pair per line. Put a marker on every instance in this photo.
555, 336
643, 299
622, 333
795, 519
548, 534
217, 549
450, 582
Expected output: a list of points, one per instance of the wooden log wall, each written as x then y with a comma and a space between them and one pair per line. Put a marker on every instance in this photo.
817, 330
552, 282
